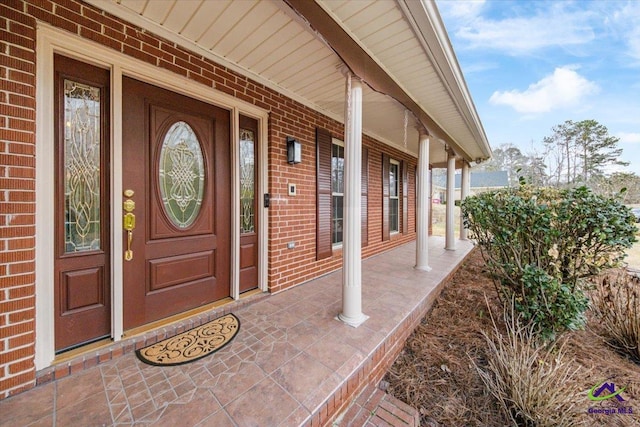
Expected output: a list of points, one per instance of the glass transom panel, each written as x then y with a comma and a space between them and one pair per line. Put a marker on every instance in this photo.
82, 167
181, 175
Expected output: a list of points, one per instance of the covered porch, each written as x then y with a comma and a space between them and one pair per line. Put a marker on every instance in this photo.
292, 363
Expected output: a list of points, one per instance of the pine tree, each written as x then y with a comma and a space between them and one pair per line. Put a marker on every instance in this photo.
578, 152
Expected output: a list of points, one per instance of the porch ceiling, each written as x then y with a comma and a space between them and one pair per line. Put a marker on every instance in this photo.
287, 50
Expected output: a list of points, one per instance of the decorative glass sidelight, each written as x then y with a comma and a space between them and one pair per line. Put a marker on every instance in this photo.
82, 167
181, 175
247, 181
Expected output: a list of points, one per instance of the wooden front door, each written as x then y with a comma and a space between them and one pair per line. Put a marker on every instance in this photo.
82, 294
176, 181
248, 151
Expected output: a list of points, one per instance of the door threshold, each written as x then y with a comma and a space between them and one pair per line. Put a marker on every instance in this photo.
141, 330
83, 349
250, 293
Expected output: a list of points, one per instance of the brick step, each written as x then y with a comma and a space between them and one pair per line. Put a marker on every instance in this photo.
374, 407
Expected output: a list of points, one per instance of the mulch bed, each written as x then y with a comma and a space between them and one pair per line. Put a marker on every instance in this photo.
434, 373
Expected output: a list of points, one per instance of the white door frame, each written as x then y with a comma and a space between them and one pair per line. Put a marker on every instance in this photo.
51, 40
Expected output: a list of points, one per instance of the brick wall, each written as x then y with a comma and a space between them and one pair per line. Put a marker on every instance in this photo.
290, 218
17, 197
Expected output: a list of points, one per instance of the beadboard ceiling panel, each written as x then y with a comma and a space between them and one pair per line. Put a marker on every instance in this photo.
278, 47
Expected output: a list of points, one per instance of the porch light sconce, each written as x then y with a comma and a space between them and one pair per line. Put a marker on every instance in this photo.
294, 151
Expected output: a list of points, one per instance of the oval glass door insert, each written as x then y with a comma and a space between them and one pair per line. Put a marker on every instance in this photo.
181, 175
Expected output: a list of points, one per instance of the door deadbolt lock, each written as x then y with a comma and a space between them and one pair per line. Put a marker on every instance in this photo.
129, 205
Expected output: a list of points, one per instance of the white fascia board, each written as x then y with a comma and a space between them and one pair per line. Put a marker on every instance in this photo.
428, 26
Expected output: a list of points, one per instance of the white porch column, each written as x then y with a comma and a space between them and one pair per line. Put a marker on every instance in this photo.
351, 249
450, 242
422, 215
465, 181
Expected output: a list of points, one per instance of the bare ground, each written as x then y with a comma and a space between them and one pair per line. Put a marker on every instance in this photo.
435, 374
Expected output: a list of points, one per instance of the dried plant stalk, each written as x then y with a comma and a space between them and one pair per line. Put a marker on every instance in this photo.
533, 384
616, 303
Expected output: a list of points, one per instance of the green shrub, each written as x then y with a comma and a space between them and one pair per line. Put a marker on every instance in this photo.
542, 243
549, 304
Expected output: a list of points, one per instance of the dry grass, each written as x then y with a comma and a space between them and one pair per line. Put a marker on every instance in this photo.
616, 303
633, 255
534, 385
435, 373
438, 219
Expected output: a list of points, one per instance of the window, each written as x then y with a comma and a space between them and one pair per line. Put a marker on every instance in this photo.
337, 192
82, 151
247, 181
394, 193
330, 194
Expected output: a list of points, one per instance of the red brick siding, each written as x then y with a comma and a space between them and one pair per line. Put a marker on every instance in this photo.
290, 218
17, 203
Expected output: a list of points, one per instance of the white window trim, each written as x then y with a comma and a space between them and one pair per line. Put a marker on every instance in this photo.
396, 197
340, 143
52, 40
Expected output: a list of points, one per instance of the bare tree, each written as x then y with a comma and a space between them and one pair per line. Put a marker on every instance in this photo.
509, 158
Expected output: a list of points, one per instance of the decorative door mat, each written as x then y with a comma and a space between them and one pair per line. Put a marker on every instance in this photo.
193, 344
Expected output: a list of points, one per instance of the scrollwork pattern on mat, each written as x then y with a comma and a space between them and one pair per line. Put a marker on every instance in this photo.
193, 344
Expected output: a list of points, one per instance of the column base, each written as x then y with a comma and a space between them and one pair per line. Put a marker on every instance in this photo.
354, 322
422, 267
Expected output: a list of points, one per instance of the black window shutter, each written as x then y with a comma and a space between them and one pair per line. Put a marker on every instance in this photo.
385, 197
405, 196
364, 198
323, 194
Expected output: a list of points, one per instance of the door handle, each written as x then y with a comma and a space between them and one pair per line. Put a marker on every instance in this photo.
129, 223
128, 254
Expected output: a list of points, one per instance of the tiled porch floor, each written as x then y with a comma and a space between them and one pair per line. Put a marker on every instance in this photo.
289, 357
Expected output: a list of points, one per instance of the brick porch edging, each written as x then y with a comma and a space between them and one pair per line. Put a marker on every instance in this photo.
129, 345
375, 366
375, 407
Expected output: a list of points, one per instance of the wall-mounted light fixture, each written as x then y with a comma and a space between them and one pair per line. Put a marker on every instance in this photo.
294, 151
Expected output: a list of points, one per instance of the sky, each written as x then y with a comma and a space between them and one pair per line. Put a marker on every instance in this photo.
532, 64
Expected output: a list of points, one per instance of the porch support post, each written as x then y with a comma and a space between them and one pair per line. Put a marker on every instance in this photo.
465, 180
351, 249
450, 242
422, 217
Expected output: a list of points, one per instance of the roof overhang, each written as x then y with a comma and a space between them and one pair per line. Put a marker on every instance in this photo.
400, 49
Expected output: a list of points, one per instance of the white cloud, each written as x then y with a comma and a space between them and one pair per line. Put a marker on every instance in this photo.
629, 137
564, 88
555, 26
627, 22
479, 67
461, 10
